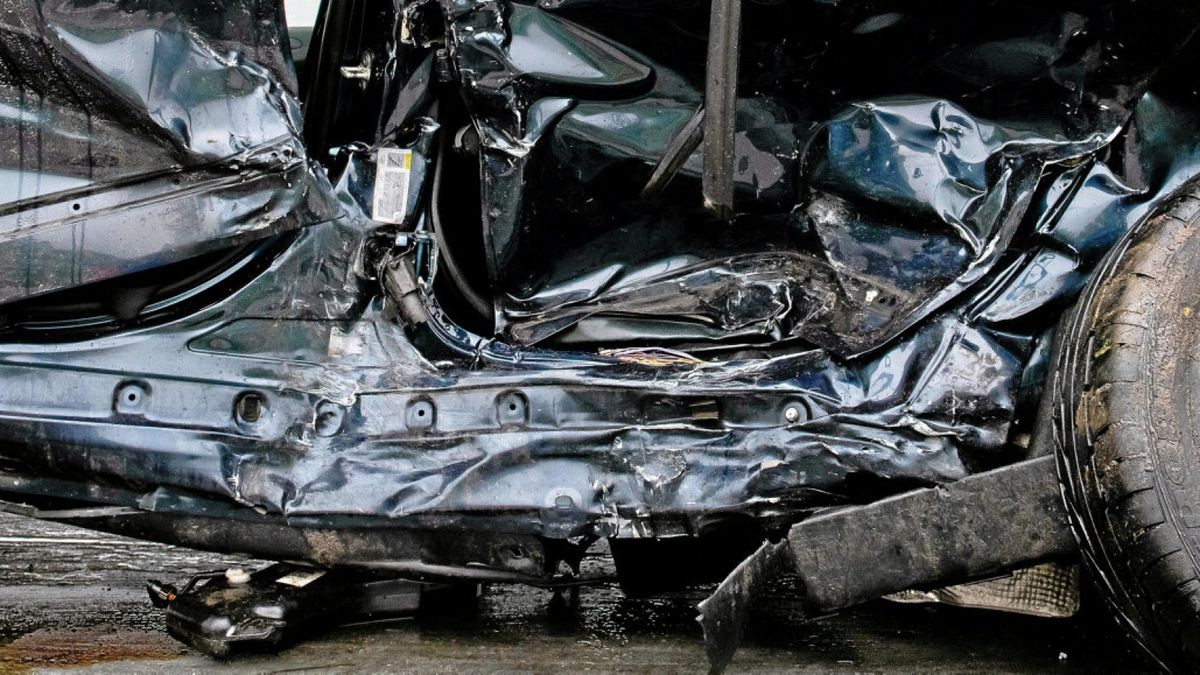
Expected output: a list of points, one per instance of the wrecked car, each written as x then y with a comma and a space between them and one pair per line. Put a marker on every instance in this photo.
468, 286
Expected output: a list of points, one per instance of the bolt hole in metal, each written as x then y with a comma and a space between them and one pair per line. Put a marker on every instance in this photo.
249, 407
329, 418
130, 397
421, 414
512, 409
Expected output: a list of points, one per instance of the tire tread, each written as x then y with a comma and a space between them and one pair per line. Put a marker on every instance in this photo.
1107, 435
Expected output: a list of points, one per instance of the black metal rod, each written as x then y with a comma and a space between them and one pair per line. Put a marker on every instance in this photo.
678, 150
720, 105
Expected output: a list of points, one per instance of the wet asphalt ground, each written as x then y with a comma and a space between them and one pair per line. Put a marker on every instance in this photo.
74, 599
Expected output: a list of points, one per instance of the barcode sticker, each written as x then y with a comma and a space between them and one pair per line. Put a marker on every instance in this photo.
389, 204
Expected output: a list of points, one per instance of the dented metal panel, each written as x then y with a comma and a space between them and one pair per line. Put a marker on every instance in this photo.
910, 222
135, 134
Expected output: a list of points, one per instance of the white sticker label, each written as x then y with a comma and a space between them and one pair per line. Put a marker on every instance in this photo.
393, 167
300, 578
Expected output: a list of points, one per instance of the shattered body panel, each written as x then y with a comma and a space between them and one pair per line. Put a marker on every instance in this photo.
135, 134
911, 218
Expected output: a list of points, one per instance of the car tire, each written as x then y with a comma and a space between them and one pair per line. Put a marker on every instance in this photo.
1126, 416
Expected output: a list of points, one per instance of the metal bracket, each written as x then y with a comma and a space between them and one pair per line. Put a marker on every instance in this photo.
360, 72
983, 524
720, 105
